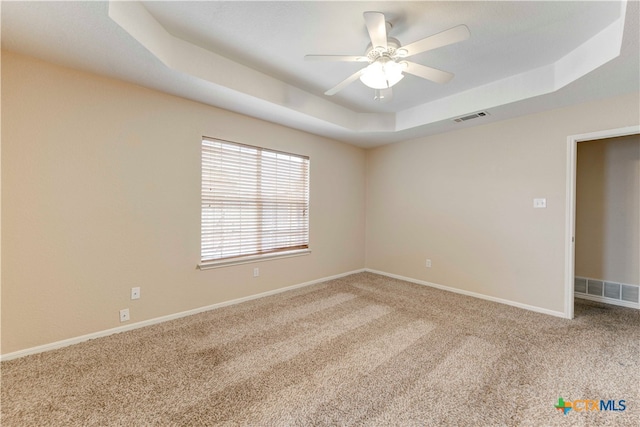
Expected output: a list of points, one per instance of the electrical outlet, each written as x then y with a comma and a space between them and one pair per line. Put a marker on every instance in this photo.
539, 203
124, 315
256, 272
135, 293
428, 263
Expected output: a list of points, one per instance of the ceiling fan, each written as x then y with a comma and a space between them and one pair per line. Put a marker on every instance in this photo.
385, 56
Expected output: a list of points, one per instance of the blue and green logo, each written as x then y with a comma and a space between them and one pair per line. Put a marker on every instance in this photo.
563, 406
583, 405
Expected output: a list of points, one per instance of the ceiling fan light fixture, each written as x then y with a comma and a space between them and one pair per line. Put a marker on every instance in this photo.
382, 74
385, 56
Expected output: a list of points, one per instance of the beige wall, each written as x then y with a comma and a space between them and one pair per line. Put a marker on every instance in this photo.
101, 193
464, 199
608, 209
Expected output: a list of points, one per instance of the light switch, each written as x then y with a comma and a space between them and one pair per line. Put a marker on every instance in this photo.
539, 203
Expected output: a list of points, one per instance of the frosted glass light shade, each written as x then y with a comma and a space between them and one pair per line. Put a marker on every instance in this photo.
382, 74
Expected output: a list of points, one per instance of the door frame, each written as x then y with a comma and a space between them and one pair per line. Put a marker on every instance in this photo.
570, 211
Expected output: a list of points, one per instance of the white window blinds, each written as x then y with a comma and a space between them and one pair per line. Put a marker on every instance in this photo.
254, 201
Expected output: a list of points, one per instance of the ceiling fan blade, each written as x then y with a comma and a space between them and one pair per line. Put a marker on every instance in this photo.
377, 28
428, 73
446, 37
384, 95
346, 82
345, 58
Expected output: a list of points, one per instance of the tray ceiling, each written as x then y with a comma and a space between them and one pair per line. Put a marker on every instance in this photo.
522, 57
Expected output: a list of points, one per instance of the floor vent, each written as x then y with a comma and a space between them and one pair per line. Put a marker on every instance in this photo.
607, 292
630, 293
471, 116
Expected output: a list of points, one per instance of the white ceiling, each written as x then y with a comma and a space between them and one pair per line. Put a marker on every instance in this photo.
522, 57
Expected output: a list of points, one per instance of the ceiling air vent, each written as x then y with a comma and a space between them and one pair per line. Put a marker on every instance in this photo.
471, 116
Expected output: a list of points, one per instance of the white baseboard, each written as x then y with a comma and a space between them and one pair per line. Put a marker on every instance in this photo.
93, 335
471, 294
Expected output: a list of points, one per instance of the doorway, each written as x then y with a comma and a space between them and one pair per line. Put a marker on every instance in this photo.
570, 246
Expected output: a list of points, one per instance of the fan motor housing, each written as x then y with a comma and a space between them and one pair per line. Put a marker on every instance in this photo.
373, 54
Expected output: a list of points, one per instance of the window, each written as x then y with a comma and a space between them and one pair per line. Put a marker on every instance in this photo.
255, 203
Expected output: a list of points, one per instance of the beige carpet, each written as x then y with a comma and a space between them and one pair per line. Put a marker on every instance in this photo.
361, 350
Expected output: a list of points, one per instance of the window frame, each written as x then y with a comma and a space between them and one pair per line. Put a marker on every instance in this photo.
293, 251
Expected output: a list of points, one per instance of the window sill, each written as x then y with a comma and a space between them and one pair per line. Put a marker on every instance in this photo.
252, 259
